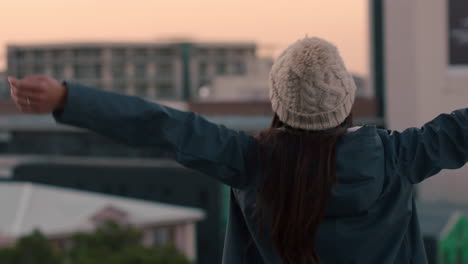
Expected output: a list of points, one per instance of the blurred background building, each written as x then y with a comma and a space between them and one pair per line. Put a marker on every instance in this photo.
171, 71
167, 71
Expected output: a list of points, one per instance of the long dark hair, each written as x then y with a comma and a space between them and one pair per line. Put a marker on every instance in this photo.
299, 171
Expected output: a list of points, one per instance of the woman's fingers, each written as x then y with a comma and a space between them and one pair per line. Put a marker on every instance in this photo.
32, 95
40, 94
24, 104
30, 85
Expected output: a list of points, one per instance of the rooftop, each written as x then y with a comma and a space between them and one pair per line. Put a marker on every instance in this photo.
9, 162
56, 211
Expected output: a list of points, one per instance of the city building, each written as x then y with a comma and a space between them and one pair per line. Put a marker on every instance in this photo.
163, 70
254, 85
59, 213
425, 71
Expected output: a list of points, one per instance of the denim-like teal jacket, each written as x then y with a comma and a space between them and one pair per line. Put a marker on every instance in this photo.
371, 217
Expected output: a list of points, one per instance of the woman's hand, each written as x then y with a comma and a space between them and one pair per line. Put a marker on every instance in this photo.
37, 94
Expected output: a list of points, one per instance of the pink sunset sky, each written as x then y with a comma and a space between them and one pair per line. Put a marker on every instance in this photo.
272, 24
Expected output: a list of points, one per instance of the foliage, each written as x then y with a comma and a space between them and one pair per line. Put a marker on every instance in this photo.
110, 244
32, 249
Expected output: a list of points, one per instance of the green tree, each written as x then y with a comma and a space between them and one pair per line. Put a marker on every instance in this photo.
31, 249
109, 244
115, 244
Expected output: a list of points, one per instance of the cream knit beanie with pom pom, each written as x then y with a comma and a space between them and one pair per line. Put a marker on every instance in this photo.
310, 87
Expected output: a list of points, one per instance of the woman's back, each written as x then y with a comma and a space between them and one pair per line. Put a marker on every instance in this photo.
371, 216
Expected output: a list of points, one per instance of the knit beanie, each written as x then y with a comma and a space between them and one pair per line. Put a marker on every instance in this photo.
310, 87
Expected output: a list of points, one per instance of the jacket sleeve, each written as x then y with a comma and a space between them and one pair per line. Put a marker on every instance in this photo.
440, 144
197, 143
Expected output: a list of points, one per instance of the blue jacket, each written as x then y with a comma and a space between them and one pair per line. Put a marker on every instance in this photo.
371, 218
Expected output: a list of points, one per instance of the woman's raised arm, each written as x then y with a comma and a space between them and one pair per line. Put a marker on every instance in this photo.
197, 143
418, 153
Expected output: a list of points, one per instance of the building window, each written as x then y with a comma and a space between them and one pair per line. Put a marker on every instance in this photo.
20, 54
203, 70
165, 91
118, 71
162, 236
203, 74
202, 52
87, 53
38, 56
58, 54
58, 71
221, 68
87, 71
141, 89
38, 69
164, 71
457, 32
97, 70
203, 83
140, 53
239, 68
164, 52
118, 54
239, 52
21, 72
221, 52
141, 71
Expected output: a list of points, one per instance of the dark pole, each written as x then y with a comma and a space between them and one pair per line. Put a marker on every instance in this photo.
186, 81
378, 54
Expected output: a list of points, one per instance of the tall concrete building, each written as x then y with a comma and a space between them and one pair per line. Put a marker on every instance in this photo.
163, 70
